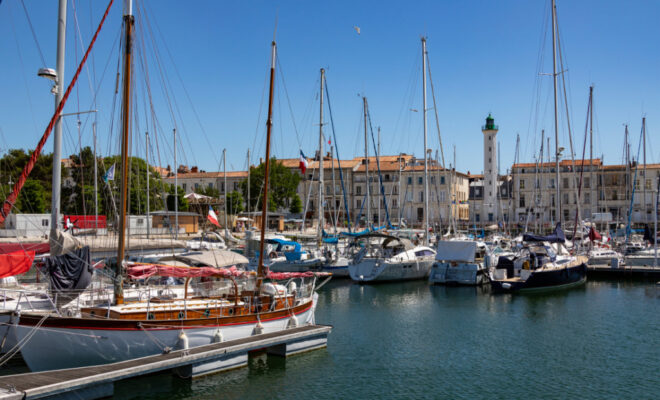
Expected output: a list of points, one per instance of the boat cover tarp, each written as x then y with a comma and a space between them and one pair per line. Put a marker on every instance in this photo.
356, 234
211, 258
16, 263
62, 242
456, 250
648, 235
594, 235
37, 248
71, 271
555, 237
142, 271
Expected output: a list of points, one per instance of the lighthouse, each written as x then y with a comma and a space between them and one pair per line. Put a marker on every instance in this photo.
489, 210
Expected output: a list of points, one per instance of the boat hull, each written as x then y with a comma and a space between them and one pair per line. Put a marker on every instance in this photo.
375, 270
470, 274
77, 342
546, 280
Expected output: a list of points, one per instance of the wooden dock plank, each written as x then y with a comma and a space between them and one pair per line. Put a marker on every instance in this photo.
37, 384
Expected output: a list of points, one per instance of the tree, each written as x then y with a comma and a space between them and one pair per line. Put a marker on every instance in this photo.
296, 205
282, 186
33, 198
234, 203
209, 191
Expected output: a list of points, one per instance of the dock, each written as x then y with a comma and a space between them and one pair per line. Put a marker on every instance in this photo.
624, 271
96, 382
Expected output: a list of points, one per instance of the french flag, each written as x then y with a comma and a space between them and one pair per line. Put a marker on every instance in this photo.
212, 217
303, 162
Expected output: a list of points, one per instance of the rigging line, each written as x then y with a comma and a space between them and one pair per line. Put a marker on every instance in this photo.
20, 59
380, 176
185, 90
34, 35
584, 149
286, 93
334, 137
435, 110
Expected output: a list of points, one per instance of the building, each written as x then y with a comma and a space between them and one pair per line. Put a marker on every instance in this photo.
489, 207
192, 180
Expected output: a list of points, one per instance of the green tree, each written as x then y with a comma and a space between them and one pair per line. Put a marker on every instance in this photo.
234, 203
209, 191
296, 205
33, 198
281, 187
11, 167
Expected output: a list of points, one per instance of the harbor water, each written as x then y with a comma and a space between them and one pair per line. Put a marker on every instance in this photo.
415, 341
412, 340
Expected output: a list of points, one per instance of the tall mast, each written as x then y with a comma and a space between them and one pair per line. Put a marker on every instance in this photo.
554, 84
146, 157
57, 138
591, 156
426, 170
321, 172
96, 188
380, 195
334, 187
366, 162
247, 204
400, 204
264, 204
126, 125
224, 169
176, 191
646, 220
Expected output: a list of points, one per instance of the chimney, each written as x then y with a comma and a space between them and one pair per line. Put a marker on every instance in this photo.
194, 169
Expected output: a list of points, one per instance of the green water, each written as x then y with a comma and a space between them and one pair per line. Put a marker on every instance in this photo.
415, 341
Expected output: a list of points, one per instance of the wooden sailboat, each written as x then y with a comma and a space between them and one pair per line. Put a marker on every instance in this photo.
122, 330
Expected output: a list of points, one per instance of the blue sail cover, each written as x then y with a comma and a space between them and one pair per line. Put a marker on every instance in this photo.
555, 237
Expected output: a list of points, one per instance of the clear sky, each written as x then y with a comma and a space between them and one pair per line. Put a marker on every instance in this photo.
208, 66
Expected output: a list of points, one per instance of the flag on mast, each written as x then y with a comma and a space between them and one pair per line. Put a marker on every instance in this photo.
303, 162
110, 174
212, 217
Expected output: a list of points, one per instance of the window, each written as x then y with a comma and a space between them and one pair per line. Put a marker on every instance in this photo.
476, 217
183, 186
565, 183
140, 221
522, 184
357, 203
647, 184
222, 187
587, 198
432, 180
421, 197
210, 185
587, 183
394, 203
551, 185
522, 201
410, 180
358, 190
419, 180
565, 198
44, 222
196, 185
442, 180
552, 200
235, 185
442, 196
490, 217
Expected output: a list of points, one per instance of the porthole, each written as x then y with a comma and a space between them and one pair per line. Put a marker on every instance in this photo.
150, 316
231, 311
181, 315
207, 312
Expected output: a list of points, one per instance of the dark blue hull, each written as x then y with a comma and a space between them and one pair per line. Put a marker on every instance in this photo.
544, 280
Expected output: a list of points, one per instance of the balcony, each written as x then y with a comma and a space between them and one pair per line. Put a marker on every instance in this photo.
490, 127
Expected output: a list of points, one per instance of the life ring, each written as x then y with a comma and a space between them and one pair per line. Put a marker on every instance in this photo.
525, 265
272, 255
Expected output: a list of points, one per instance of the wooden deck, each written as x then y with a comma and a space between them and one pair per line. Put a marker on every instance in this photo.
97, 381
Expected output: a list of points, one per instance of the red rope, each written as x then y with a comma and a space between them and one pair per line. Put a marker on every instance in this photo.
11, 199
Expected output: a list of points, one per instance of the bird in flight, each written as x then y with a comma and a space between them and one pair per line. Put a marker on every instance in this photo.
357, 29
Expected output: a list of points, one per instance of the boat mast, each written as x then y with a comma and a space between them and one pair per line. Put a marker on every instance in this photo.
264, 204
400, 205
129, 21
96, 188
554, 83
321, 171
146, 157
176, 191
366, 162
247, 204
334, 187
646, 220
591, 157
224, 169
57, 137
426, 170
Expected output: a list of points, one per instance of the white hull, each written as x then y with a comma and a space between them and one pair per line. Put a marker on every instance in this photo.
57, 348
373, 270
459, 274
641, 260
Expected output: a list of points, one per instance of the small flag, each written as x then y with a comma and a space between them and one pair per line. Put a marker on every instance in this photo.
303, 162
110, 174
330, 142
212, 217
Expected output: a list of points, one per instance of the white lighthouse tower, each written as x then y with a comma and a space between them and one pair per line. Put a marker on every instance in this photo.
489, 209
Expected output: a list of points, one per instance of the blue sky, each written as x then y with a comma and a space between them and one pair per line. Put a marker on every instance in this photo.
214, 58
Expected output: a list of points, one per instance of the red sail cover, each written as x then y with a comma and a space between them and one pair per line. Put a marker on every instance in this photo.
142, 271
39, 248
16, 263
594, 235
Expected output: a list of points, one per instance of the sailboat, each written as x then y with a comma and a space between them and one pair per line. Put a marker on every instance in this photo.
542, 263
244, 305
